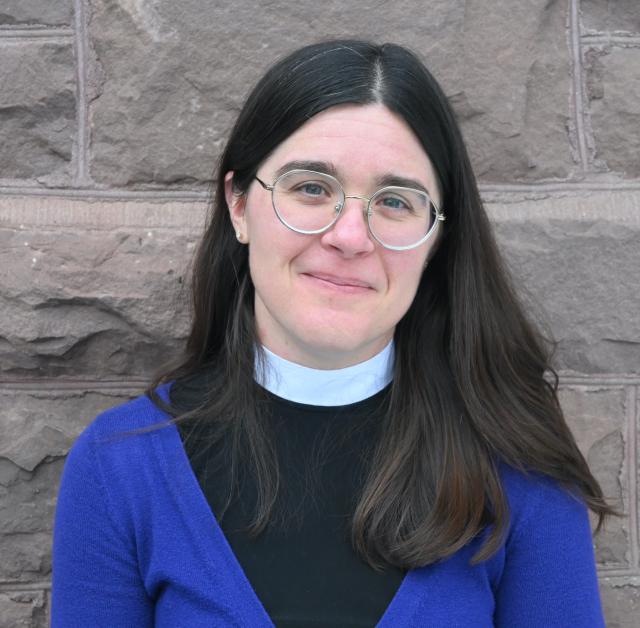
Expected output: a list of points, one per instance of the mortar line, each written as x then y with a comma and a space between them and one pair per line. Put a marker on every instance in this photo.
564, 186
632, 465
617, 573
81, 175
38, 33
127, 383
578, 104
607, 39
71, 384
18, 587
89, 193
94, 193
599, 380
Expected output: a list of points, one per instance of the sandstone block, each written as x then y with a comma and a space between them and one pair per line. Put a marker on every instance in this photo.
597, 418
23, 609
621, 602
613, 83
504, 65
35, 12
25, 557
37, 110
513, 99
91, 303
574, 259
621, 15
38, 428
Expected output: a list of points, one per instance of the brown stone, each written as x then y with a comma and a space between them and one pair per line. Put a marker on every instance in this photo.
23, 609
504, 65
597, 418
573, 260
20, 13
37, 110
621, 601
42, 425
91, 302
613, 86
38, 428
610, 16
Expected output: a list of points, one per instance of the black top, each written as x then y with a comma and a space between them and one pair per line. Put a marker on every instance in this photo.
302, 567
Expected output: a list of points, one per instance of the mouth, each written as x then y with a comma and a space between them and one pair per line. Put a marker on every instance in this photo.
343, 284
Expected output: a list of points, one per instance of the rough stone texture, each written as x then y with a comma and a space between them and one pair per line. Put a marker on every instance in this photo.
505, 66
613, 87
90, 302
597, 417
21, 13
516, 87
580, 271
37, 110
23, 609
621, 602
611, 15
38, 430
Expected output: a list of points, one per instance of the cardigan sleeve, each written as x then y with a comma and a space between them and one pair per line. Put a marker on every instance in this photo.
549, 577
96, 580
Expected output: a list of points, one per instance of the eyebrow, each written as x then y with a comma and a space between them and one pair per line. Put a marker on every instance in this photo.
327, 167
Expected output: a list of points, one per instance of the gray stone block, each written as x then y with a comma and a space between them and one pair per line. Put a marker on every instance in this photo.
574, 259
23, 609
514, 98
38, 428
597, 418
613, 85
611, 16
621, 602
37, 110
87, 302
28, 499
25, 557
504, 66
36, 12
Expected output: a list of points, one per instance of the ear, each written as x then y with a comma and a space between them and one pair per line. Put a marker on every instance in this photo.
236, 202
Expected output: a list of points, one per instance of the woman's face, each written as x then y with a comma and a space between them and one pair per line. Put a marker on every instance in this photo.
333, 299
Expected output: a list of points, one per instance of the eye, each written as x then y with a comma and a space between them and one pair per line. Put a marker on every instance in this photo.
311, 189
393, 203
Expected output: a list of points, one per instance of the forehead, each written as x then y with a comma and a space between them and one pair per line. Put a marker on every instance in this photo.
363, 142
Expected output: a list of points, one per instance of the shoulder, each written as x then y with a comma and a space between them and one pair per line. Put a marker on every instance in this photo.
132, 416
548, 574
121, 432
541, 503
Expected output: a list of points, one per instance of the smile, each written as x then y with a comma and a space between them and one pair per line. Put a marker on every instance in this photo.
347, 285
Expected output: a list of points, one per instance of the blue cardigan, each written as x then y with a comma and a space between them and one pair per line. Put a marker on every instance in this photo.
136, 545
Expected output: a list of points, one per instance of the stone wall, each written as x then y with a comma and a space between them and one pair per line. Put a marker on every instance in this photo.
112, 113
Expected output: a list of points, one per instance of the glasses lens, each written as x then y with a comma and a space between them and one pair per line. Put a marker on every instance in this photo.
307, 201
400, 216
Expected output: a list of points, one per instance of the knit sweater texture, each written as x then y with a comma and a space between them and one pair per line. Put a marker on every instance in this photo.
137, 545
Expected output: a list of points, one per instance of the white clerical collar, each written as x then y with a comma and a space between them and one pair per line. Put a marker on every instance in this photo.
322, 387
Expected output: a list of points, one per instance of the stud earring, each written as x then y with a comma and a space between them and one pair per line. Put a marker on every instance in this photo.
239, 236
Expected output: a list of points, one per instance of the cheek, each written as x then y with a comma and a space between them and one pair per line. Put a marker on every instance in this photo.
404, 270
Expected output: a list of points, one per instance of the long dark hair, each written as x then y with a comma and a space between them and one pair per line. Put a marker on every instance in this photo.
473, 387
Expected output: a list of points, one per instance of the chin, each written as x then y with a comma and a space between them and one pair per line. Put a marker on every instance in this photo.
342, 348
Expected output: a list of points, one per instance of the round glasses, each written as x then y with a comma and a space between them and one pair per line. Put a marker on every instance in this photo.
311, 202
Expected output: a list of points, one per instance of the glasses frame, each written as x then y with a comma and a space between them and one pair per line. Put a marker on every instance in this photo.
439, 216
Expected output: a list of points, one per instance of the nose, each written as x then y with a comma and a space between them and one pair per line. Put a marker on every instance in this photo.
350, 233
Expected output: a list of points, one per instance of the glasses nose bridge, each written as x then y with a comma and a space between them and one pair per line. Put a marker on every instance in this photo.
365, 199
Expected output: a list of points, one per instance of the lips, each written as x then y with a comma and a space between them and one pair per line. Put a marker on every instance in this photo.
339, 280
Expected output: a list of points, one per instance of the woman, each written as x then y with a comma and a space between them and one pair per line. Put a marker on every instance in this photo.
362, 433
